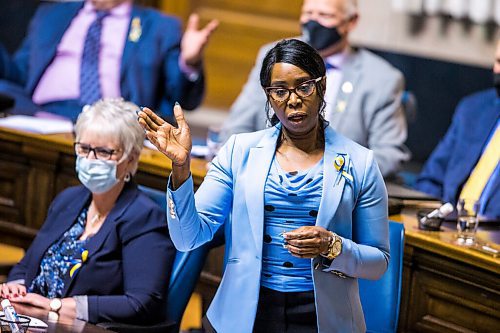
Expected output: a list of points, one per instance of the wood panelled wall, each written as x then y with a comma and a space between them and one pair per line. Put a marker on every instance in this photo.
244, 27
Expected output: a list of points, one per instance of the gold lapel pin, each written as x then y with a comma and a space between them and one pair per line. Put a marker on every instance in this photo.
135, 30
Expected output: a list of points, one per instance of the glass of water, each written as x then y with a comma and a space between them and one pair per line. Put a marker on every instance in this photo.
467, 221
214, 141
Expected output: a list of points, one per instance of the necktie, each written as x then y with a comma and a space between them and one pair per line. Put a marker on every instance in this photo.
329, 66
484, 169
90, 89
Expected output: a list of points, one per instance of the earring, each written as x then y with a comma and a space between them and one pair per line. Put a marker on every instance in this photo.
127, 178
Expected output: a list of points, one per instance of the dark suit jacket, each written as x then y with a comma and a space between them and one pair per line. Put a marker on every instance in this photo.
452, 161
130, 258
150, 74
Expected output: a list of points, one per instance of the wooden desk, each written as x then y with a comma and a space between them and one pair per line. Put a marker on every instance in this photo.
9, 256
34, 168
62, 325
446, 287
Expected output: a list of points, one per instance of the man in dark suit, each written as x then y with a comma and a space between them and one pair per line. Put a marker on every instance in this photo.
78, 52
465, 164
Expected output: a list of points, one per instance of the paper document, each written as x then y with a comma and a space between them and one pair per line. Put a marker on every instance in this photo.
37, 125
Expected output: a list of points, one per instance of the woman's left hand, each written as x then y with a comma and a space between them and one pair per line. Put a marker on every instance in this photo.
32, 299
308, 241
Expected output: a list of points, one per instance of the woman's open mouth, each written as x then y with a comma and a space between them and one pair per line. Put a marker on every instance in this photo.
296, 117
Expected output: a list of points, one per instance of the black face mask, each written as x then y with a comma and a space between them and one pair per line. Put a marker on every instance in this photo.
496, 82
319, 36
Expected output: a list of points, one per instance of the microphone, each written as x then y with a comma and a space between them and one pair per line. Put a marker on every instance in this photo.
440, 213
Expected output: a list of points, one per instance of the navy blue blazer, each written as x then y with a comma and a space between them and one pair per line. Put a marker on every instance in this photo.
149, 76
452, 161
130, 258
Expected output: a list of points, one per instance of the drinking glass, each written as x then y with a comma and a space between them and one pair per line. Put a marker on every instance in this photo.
467, 221
19, 325
213, 141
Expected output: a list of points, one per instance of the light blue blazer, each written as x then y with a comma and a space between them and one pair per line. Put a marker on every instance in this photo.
353, 205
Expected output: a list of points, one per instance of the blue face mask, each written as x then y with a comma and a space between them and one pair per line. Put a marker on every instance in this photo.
96, 175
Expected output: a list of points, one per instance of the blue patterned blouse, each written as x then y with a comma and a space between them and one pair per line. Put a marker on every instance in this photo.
291, 200
59, 259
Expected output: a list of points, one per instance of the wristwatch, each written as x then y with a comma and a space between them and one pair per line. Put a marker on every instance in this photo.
334, 248
55, 305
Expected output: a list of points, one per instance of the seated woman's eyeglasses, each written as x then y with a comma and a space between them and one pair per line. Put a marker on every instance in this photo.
281, 94
100, 153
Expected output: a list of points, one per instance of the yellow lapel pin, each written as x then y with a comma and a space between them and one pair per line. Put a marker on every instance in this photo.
339, 162
135, 30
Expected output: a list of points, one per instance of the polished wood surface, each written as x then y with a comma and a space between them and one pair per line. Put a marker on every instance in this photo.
59, 325
448, 287
9, 256
444, 242
34, 168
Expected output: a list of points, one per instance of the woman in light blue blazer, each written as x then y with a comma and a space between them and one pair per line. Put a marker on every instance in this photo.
304, 209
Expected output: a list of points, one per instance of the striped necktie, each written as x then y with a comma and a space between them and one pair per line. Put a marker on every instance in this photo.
90, 88
483, 170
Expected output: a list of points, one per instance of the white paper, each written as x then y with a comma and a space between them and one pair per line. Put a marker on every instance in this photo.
37, 125
34, 322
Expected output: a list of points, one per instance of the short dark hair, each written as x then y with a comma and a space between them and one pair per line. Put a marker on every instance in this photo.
297, 53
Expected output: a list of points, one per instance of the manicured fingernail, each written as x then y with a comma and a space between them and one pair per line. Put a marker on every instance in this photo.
15, 295
177, 104
23, 293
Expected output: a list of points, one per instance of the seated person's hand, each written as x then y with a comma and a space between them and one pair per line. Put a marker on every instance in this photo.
307, 241
33, 299
9, 290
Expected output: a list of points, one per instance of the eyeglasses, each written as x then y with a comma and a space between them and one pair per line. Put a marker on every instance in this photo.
305, 89
100, 153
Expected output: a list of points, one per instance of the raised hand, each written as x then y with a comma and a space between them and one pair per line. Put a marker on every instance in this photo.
307, 241
174, 142
194, 40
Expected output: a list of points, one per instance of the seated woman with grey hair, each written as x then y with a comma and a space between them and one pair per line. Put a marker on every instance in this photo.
88, 259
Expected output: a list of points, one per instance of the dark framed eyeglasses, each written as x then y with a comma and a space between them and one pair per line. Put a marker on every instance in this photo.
101, 153
281, 94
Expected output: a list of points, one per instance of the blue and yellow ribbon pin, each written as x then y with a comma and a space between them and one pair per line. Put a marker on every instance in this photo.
77, 263
339, 164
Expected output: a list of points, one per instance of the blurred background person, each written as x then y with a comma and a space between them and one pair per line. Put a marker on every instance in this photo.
363, 99
87, 261
465, 164
77, 52
302, 208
